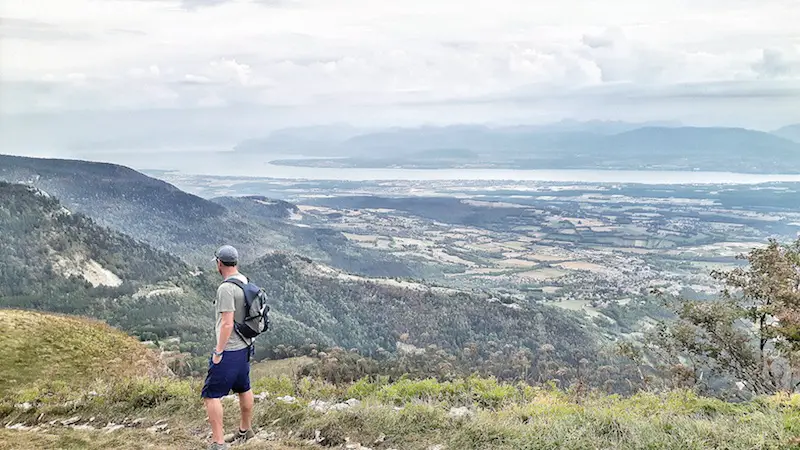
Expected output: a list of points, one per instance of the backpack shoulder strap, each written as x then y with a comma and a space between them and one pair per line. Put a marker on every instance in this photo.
241, 285
235, 281
248, 293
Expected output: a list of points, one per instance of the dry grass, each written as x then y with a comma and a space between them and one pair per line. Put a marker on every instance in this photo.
38, 348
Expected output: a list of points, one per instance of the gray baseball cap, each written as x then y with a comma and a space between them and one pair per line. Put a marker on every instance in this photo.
227, 254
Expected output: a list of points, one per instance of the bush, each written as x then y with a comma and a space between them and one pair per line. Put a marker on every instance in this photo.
141, 393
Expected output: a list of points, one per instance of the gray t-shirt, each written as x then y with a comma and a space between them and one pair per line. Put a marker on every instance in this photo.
231, 298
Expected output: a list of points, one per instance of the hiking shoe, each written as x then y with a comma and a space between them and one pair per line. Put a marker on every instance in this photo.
215, 446
241, 437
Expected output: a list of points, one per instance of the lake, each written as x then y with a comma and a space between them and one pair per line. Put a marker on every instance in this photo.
230, 164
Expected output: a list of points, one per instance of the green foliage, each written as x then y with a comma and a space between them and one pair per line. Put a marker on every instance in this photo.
528, 417
142, 394
748, 336
442, 334
275, 386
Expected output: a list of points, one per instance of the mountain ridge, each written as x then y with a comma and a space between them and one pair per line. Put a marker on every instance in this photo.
644, 148
183, 224
791, 132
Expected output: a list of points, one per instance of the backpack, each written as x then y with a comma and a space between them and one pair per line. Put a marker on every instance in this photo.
256, 319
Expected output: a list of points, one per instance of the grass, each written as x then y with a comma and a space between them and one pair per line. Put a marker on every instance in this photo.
66, 352
70, 375
288, 367
414, 415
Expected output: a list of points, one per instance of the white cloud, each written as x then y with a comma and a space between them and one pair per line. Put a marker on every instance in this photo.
322, 53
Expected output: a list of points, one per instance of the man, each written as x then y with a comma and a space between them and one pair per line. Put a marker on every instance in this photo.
229, 366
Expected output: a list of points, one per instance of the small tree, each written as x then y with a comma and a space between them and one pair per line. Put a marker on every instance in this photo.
751, 334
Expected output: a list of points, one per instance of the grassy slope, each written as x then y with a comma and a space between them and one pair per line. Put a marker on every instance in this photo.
38, 348
411, 418
99, 373
409, 415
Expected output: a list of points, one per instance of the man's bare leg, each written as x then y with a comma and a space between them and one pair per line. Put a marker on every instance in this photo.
214, 411
246, 406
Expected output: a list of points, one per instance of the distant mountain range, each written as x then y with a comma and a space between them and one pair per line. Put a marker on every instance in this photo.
602, 145
791, 132
189, 226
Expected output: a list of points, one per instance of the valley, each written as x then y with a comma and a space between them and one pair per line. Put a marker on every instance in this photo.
403, 312
581, 246
513, 279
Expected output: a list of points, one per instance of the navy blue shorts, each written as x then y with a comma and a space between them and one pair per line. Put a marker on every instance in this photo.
231, 374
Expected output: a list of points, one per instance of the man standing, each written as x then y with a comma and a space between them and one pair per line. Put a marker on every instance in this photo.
229, 367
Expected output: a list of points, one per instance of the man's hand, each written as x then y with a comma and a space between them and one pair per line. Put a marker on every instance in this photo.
216, 359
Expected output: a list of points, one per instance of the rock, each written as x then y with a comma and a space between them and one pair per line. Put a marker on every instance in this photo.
353, 402
318, 437
157, 428
112, 427
264, 436
260, 397
460, 413
91, 419
160, 422
356, 446
340, 407
24, 406
92, 394
137, 422
287, 399
381, 439
85, 427
319, 406
229, 397
19, 427
71, 421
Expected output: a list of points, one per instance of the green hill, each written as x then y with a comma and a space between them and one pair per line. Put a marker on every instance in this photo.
329, 246
63, 262
435, 330
72, 352
58, 261
186, 225
48, 249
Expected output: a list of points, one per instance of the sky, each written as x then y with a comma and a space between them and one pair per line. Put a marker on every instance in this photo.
273, 63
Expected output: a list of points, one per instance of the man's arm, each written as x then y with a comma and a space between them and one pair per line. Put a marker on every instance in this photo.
226, 328
226, 305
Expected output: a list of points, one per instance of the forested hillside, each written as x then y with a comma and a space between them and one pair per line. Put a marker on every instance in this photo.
48, 250
185, 225
323, 244
449, 331
156, 296
60, 261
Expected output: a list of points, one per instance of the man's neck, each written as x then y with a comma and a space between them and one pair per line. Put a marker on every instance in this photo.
230, 273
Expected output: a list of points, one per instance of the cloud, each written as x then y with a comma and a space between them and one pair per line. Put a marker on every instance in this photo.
360, 53
775, 63
194, 5
13, 28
